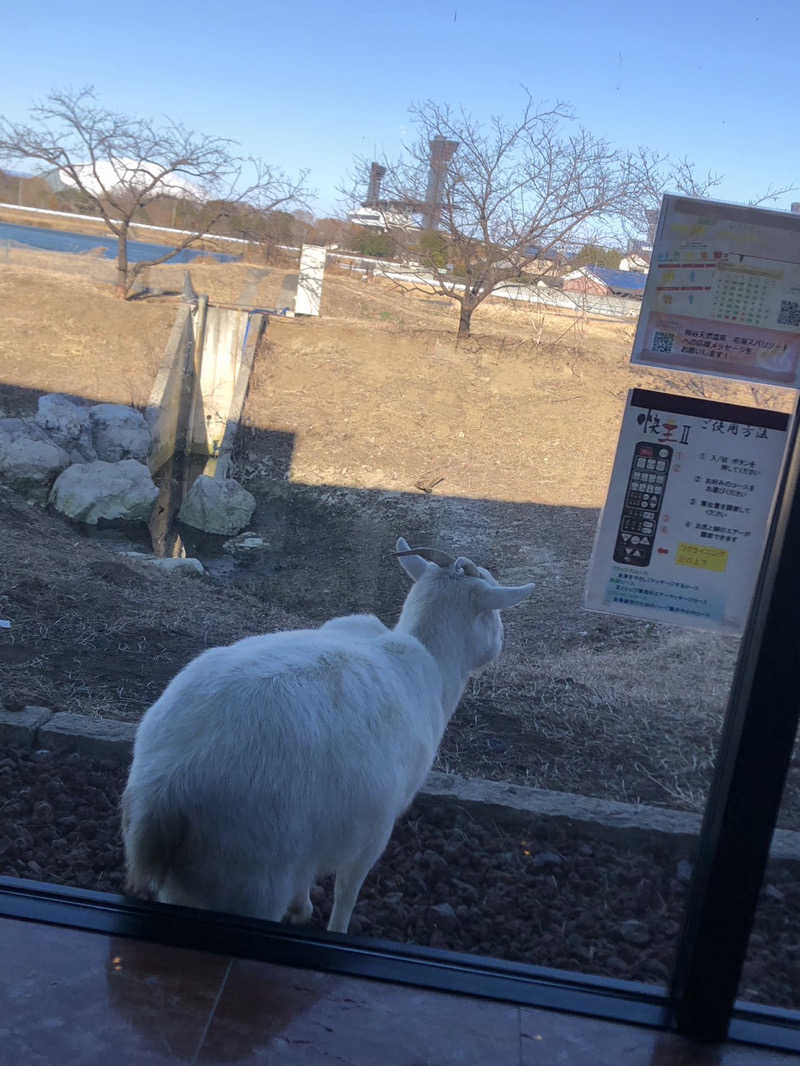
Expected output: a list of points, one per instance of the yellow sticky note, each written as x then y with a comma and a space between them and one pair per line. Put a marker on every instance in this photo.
702, 557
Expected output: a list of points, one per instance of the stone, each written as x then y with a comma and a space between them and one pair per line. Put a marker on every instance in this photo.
684, 871
43, 811
29, 460
465, 890
67, 424
657, 970
435, 862
245, 544
217, 505
546, 858
635, 932
443, 915
88, 492
96, 737
119, 432
188, 566
21, 727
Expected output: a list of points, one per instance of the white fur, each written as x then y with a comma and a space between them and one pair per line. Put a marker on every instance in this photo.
285, 757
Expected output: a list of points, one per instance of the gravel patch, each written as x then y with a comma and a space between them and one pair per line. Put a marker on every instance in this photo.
528, 890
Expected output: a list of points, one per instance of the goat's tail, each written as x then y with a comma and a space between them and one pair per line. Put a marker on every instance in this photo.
152, 836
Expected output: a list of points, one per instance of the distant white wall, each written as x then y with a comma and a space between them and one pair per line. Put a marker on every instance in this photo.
309, 279
607, 306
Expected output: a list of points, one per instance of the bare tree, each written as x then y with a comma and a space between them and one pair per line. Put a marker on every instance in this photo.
658, 174
515, 197
119, 163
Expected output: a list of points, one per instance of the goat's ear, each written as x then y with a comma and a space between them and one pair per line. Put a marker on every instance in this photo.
414, 565
496, 597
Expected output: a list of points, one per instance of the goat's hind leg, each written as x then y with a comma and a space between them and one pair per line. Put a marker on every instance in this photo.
233, 892
301, 908
349, 879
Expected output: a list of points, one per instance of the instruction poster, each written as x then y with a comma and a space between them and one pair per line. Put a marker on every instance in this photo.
723, 292
681, 536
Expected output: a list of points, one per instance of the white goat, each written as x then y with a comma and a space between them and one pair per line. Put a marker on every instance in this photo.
285, 757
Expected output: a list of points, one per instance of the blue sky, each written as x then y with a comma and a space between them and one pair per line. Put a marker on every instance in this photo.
311, 85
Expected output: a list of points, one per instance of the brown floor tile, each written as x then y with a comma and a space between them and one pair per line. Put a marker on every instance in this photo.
275, 1015
82, 999
550, 1039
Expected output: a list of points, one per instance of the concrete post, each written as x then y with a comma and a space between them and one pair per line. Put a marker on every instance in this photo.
309, 280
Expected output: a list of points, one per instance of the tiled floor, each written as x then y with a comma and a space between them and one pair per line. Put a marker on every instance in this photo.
81, 999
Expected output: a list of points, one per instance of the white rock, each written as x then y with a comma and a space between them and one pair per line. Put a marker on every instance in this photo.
90, 491
244, 544
29, 460
217, 505
188, 566
67, 424
119, 432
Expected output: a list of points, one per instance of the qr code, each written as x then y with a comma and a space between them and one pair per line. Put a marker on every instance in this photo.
789, 314
662, 342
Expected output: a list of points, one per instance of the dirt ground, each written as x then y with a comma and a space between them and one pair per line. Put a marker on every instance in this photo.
368, 423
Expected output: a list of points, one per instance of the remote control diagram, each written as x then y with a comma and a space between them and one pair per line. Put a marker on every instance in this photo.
644, 495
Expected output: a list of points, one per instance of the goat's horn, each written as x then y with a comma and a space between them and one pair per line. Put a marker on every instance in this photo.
466, 566
433, 555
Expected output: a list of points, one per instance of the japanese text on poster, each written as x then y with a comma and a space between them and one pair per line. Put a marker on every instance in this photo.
682, 532
723, 292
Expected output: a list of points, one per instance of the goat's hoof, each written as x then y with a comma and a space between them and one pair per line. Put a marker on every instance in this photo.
301, 915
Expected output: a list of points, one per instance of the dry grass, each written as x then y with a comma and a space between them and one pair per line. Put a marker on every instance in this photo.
379, 394
63, 328
60, 333
590, 720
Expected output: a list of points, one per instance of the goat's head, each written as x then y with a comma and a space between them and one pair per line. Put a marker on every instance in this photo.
460, 597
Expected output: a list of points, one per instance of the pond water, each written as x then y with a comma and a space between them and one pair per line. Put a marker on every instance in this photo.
54, 240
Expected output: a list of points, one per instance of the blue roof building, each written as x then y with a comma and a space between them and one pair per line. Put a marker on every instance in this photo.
605, 281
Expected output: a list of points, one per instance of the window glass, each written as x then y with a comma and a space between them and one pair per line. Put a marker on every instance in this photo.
423, 335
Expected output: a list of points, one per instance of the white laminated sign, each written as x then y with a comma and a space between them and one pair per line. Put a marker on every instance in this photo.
681, 536
723, 292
